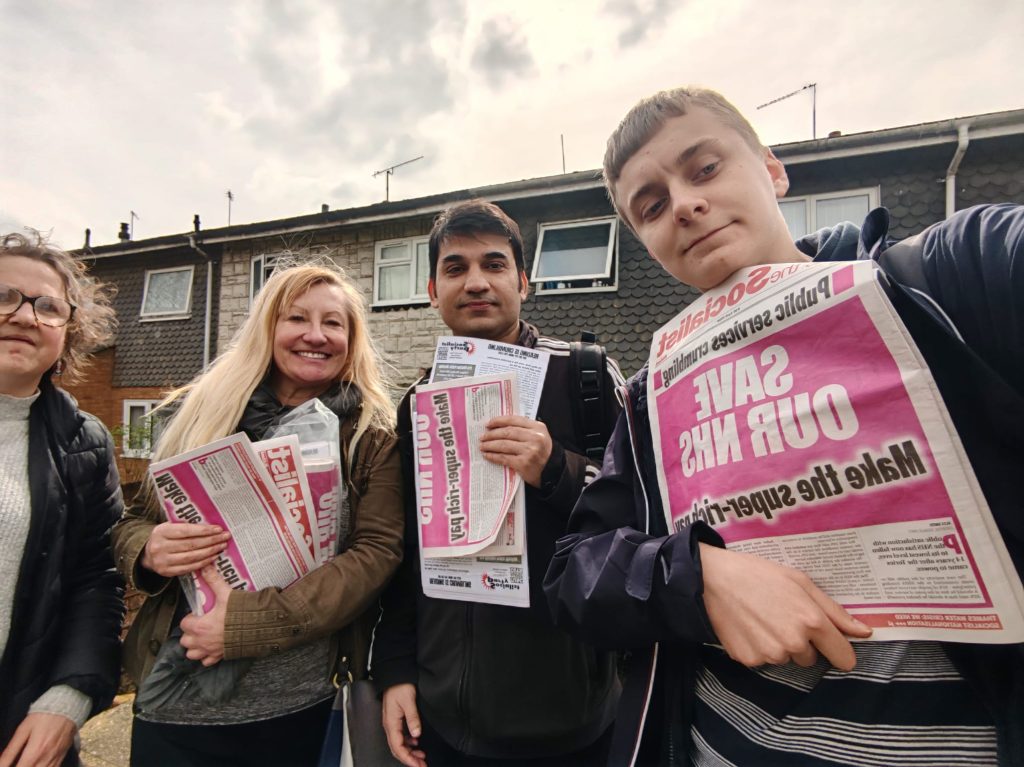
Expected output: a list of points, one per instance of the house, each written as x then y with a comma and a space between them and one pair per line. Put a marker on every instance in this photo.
182, 297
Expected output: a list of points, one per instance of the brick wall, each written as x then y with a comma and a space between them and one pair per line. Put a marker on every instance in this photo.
98, 396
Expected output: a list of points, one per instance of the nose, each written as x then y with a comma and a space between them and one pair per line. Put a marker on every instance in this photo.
25, 314
314, 334
476, 281
687, 204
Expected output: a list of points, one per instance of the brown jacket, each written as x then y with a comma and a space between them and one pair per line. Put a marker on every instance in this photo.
337, 598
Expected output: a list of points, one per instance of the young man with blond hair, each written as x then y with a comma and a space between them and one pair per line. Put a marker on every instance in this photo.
746, 661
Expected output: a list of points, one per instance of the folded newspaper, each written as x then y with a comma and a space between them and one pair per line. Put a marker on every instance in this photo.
792, 411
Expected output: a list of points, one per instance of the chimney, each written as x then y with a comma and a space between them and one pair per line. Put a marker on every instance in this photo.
88, 236
123, 235
835, 134
324, 208
195, 222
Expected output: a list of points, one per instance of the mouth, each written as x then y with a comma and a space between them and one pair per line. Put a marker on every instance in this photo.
477, 305
20, 339
703, 237
312, 355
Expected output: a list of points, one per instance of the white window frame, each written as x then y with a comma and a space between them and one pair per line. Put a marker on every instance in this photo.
810, 202
261, 262
147, 449
378, 264
611, 264
179, 314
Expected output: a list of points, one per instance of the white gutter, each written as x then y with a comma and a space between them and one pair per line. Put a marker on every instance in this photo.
209, 299
954, 165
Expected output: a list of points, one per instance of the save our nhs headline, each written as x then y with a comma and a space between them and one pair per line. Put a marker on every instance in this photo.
792, 411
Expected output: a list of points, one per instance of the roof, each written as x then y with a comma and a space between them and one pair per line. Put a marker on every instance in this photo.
988, 125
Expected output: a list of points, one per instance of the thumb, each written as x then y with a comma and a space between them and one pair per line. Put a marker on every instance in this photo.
220, 588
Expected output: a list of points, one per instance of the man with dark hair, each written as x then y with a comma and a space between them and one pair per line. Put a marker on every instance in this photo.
471, 683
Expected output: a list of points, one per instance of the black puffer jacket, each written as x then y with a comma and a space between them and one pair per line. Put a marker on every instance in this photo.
68, 603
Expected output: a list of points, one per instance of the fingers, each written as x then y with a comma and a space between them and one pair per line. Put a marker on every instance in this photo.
176, 549
501, 421
400, 714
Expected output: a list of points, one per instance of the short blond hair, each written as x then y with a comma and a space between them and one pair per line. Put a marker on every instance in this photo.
93, 323
650, 114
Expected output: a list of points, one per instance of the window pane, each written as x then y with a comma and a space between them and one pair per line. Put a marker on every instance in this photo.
393, 282
574, 251
795, 213
167, 292
422, 267
838, 209
394, 252
138, 427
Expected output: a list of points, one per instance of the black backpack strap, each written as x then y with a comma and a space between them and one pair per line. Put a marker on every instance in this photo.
587, 361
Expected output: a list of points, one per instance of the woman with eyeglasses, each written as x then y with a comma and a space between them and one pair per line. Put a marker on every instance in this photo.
60, 597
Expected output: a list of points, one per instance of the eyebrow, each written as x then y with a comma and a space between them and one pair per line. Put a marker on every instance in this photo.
685, 156
493, 255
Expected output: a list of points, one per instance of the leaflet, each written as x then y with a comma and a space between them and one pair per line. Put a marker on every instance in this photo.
463, 357
225, 483
792, 411
462, 498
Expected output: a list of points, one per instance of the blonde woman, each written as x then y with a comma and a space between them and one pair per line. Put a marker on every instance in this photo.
305, 337
60, 597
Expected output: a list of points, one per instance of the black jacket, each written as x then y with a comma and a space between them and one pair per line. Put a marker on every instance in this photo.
621, 580
68, 602
499, 681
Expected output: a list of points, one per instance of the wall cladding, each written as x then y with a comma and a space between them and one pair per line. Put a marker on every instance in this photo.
164, 353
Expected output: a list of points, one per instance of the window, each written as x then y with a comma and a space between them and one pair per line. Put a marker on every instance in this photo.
576, 256
167, 294
808, 214
262, 267
400, 272
138, 432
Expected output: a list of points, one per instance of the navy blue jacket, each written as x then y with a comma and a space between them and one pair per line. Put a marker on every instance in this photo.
621, 580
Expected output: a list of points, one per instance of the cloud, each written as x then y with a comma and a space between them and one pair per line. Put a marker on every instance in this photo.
641, 18
502, 53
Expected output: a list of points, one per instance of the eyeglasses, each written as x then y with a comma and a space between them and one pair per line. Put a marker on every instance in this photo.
48, 310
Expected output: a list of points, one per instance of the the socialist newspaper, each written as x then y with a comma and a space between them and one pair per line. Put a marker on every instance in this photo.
462, 498
498, 574
792, 412
226, 483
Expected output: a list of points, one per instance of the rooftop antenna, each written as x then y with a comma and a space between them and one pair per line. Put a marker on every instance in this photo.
814, 105
562, 137
132, 217
387, 176
231, 199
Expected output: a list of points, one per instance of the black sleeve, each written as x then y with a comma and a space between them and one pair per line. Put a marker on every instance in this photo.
618, 587
88, 654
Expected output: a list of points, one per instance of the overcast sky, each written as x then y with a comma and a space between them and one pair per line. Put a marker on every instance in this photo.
161, 107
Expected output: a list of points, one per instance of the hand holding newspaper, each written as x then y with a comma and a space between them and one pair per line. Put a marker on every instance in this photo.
280, 507
791, 411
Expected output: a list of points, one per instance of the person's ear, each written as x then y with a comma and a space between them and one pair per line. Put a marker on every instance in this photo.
777, 173
524, 286
432, 292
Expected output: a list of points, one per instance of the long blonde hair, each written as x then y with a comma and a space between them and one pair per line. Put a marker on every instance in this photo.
211, 406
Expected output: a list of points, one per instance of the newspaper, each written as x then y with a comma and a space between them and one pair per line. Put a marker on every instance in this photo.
463, 498
225, 483
323, 474
283, 458
792, 411
498, 574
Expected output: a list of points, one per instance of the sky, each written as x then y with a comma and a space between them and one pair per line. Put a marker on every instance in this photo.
160, 108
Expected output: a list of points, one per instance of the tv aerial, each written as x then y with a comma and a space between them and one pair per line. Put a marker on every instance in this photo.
813, 87
387, 175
